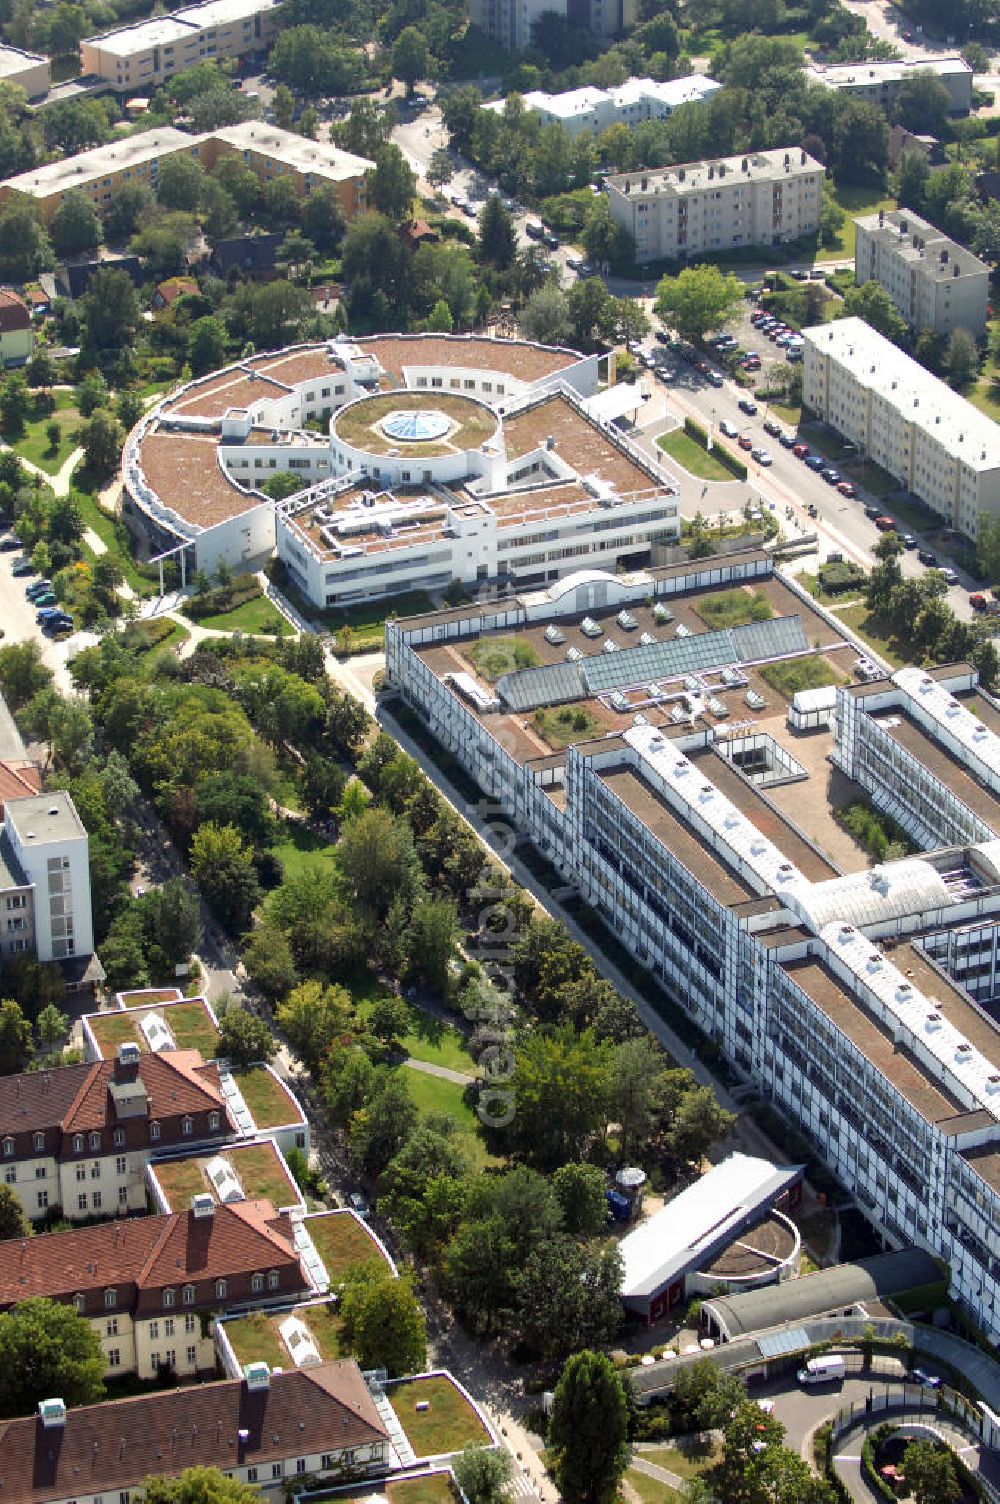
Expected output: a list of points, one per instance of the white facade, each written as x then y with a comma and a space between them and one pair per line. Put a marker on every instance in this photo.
28, 70
591, 109
763, 198
905, 419
934, 282
50, 846
886, 1065
879, 83
510, 23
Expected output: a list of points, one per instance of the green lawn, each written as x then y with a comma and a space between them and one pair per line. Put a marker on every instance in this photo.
432, 1094
877, 632
651, 1490
112, 1029
695, 460
34, 445
260, 1173
180, 1179
192, 1028
257, 615
686, 1462
266, 1098
495, 656
433, 1488
789, 675
342, 1242
734, 608
855, 199
448, 1425
570, 723
790, 415
300, 850
95, 517
428, 1037
255, 1340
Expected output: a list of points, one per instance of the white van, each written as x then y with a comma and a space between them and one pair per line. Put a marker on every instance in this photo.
830, 1369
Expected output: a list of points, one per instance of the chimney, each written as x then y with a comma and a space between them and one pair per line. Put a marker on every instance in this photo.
127, 1061
202, 1204
257, 1376
53, 1413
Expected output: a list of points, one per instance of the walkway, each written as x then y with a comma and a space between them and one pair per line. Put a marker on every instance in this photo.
847, 1456
443, 1072
661, 1474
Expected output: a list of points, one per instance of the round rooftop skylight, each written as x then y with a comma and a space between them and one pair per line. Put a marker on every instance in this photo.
417, 426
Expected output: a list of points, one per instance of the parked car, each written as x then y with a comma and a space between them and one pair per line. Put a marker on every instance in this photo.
812, 509
800, 451
885, 524
661, 335
748, 405
37, 587
794, 354
832, 476
713, 378
928, 1380
359, 1205
927, 558
745, 441
908, 540
847, 488
978, 601
815, 462
872, 512
950, 577
786, 440
729, 429
48, 599
772, 428
551, 240
8, 544
763, 457
21, 567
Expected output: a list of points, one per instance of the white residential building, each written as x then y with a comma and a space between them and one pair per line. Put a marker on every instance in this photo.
510, 23
45, 879
697, 208
879, 83
592, 109
139, 57
934, 282
29, 70
929, 438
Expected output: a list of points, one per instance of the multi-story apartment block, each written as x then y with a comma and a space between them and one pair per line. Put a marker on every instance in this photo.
79, 1137
267, 150
28, 70
879, 83
687, 820
149, 1286
930, 439
137, 58
510, 23
934, 282
263, 1429
592, 109
445, 458
763, 198
44, 879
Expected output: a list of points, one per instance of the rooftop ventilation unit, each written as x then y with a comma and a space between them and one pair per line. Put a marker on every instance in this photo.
53, 1413
573, 655
626, 621
932, 1022
129, 1053
202, 1205
590, 628
257, 1376
554, 635
662, 613
609, 646
222, 1176
646, 640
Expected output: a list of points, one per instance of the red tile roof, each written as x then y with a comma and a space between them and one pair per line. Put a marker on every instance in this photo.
14, 312
113, 1447
140, 1257
18, 780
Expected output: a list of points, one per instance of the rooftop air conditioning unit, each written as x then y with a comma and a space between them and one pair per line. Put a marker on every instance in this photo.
932, 1022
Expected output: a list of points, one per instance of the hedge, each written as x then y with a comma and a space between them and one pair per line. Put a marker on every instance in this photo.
244, 588
729, 461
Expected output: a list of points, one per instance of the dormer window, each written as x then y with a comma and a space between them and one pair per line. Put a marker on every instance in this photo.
169, 1297
154, 1131
187, 1124
78, 1143
119, 1138
272, 1279
39, 1142
188, 1295
220, 1289
95, 1141
79, 1302
8, 1147
110, 1299
213, 1121
256, 1283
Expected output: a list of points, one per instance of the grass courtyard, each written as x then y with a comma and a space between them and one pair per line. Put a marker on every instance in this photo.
789, 675
734, 608
696, 461
34, 446
447, 1425
432, 1094
189, 1023
256, 1166
257, 615
256, 1338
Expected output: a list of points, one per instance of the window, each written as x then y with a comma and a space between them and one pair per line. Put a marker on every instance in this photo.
154, 1331
78, 1143
154, 1131
81, 1202
300, 1464
114, 1357
95, 1170
110, 1299
251, 1475
111, 1327
326, 1461
168, 1327
39, 1142
97, 1200
123, 1195
8, 1147
40, 1172
256, 1283
272, 1279
169, 1297
213, 1121
220, 1289
189, 1323
154, 1362
43, 1200
95, 1141
124, 1497
191, 1354
119, 1138
275, 1469
188, 1295
79, 1302
120, 1165
170, 1357
10, 1176
186, 1125
81, 1172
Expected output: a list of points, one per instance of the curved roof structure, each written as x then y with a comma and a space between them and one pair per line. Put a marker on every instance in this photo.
892, 891
830, 1290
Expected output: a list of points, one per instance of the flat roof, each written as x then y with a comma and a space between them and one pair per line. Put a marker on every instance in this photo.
732, 172
879, 366
909, 734
986, 1163
184, 471
14, 60
315, 158
894, 70
873, 1039
118, 154
691, 1225
41, 818
919, 243
123, 41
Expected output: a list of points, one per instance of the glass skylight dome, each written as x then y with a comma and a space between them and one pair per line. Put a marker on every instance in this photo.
417, 426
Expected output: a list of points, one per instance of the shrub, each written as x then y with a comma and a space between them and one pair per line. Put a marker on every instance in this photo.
729, 461
244, 588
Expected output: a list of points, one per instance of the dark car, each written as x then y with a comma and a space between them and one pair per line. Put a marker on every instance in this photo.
8, 545
831, 476
872, 512
748, 406
37, 587
908, 540
773, 428
786, 440
21, 567
661, 336
815, 462
552, 241
926, 557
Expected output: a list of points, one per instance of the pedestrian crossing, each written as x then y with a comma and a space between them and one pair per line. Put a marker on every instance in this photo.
521, 1487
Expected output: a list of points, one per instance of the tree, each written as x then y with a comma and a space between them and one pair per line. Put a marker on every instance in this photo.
199, 1485
163, 238
15, 404
216, 210
911, 180
16, 1047
25, 248
961, 359
110, 309
410, 58
987, 547
76, 226
607, 243
40, 369
206, 344
441, 170
223, 868
378, 860
131, 203
383, 1321
283, 105
484, 1474
580, 1189
699, 1122
433, 932
698, 299
378, 1130
269, 961
53, 1027
22, 673
922, 103
323, 219
389, 1018
560, 1084
588, 1430
48, 1348
269, 314
244, 1038
173, 924
567, 1297
312, 1016
872, 303
53, 434
497, 236
930, 1473
545, 316
13, 1222
102, 440
391, 184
